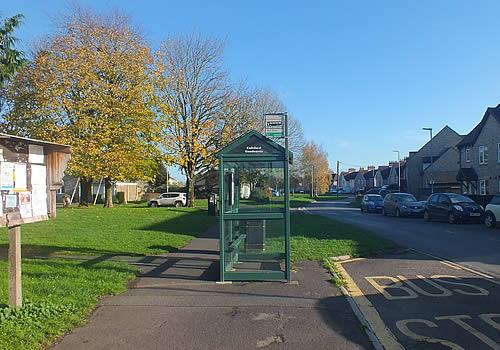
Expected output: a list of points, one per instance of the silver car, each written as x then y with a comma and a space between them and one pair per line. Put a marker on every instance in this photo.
175, 199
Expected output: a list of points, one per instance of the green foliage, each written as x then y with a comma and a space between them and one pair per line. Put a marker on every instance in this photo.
10, 58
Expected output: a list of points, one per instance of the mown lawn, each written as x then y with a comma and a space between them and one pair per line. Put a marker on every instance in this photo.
60, 290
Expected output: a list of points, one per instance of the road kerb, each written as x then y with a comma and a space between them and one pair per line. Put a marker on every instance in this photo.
378, 333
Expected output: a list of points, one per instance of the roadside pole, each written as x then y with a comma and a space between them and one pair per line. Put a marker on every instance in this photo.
288, 266
338, 178
15, 287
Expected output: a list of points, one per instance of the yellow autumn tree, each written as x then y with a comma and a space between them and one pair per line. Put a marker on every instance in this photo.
315, 168
90, 85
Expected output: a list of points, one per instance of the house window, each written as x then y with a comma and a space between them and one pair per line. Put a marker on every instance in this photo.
483, 154
484, 187
467, 154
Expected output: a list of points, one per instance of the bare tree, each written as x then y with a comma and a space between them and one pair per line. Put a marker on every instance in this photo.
193, 94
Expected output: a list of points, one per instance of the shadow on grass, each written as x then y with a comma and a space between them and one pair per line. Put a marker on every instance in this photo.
193, 224
35, 250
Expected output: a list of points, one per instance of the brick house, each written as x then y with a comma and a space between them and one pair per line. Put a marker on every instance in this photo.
420, 177
479, 160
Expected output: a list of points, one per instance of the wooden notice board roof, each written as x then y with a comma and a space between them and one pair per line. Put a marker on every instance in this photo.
51, 146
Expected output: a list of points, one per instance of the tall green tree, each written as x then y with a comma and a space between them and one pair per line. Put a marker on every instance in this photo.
11, 59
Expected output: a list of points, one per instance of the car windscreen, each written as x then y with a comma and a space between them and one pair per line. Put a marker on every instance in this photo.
405, 197
375, 197
458, 198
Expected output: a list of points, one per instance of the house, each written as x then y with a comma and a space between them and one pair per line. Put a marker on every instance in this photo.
369, 176
382, 176
441, 176
360, 181
418, 175
479, 156
348, 180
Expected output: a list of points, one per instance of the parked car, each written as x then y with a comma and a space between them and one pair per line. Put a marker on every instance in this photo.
492, 212
371, 203
176, 199
374, 190
402, 204
452, 207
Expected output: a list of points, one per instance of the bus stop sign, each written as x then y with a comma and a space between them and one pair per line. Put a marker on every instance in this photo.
275, 126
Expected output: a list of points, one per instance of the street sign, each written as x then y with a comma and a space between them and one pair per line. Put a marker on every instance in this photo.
274, 124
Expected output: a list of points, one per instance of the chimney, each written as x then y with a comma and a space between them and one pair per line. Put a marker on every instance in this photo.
361, 169
371, 167
351, 170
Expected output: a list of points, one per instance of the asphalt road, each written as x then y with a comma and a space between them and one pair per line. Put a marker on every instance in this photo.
472, 245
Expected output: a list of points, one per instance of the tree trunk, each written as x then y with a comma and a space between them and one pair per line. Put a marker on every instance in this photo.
190, 179
86, 194
108, 193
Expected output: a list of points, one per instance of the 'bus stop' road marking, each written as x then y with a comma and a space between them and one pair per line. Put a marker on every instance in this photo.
413, 300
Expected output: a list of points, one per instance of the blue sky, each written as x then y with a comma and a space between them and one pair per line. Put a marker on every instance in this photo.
362, 76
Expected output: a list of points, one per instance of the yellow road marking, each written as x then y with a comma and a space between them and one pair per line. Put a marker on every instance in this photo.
378, 327
351, 260
450, 265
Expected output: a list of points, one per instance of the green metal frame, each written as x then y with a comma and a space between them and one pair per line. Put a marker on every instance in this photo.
279, 154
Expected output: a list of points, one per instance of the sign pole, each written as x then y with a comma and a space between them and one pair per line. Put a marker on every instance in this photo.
288, 266
15, 288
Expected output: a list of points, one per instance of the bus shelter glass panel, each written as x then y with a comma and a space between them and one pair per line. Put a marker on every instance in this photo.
253, 187
254, 246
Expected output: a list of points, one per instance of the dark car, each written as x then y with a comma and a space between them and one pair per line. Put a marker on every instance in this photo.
453, 208
371, 203
374, 190
402, 204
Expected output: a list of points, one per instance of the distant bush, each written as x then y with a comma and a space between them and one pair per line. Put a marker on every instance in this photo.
260, 194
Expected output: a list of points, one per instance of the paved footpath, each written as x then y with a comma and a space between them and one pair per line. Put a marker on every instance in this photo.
415, 301
176, 304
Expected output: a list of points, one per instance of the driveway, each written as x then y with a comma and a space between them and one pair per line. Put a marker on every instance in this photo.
468, 244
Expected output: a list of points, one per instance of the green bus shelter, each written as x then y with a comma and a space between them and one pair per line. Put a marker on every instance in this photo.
254, 210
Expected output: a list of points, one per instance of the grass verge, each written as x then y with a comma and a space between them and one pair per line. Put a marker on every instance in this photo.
317, 237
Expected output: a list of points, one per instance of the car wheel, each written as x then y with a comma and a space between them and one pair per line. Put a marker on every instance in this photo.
398, 213
490, 220
154, 204
384, 213
452, 219
178, 204
427, 216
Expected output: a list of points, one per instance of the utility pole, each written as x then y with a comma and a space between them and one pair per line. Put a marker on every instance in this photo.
338, 178
312, 181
